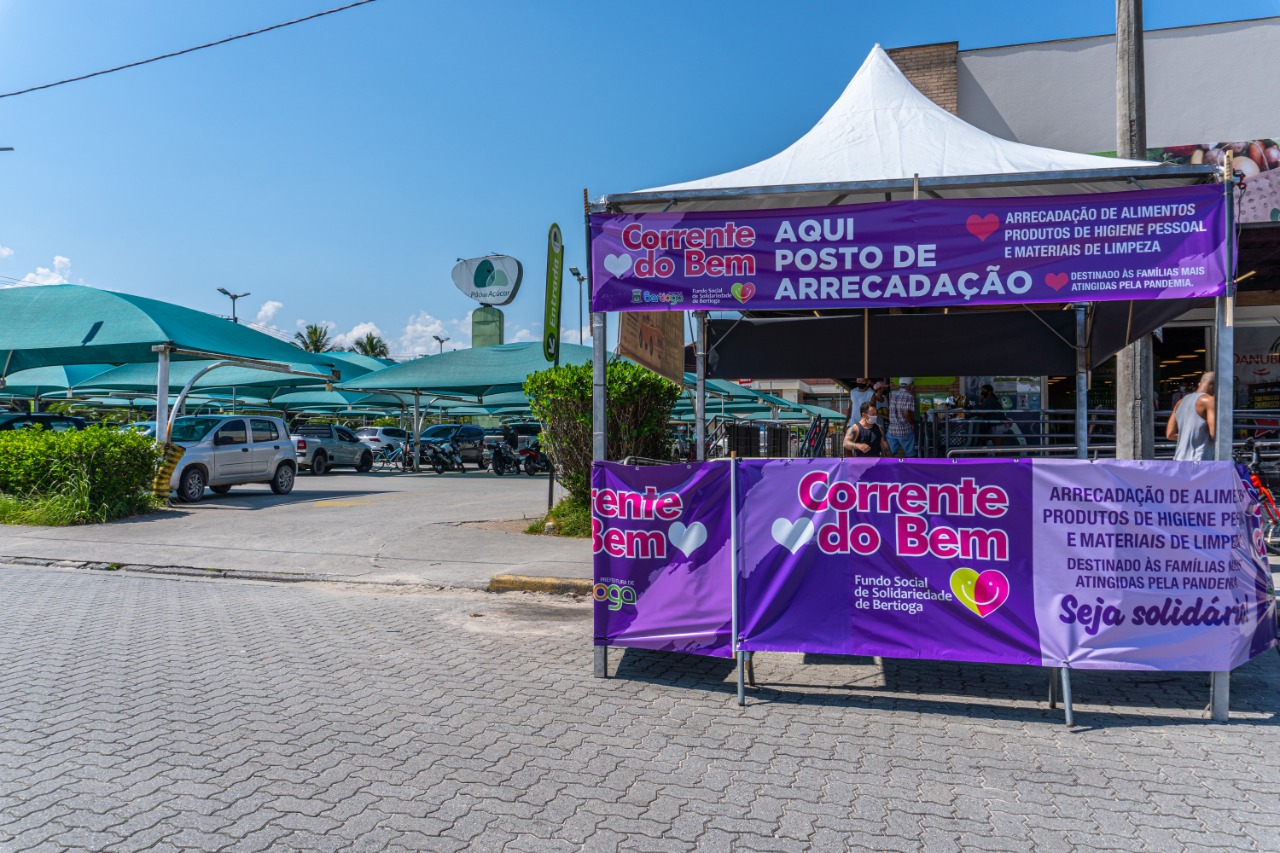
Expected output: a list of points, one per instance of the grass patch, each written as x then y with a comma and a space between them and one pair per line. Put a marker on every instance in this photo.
86, 476
71, 503
568, 518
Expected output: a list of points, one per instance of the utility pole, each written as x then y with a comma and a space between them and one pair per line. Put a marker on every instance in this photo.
1135, 374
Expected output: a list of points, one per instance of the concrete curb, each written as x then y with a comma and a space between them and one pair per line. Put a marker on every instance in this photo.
557, 586
498, 583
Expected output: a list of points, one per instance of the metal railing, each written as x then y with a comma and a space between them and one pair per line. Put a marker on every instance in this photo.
1051, 432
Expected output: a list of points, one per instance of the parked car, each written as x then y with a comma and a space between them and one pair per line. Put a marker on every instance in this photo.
527, 432
47, 420
380, 437
228, 450
323, 446
147, 428
469, 440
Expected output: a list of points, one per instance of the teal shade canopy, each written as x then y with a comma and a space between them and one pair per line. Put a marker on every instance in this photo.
71, 324
475, 372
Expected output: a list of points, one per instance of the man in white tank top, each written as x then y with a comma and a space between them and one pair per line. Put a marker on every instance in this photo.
1191, 423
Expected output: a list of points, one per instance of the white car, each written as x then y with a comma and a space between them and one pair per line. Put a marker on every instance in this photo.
228, 450
380, 437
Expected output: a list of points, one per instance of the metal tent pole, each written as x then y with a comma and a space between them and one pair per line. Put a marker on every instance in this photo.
700, 392
1224, 405
162, 390
1082, 383
599, 443
738, 654
417, 426
1066, 697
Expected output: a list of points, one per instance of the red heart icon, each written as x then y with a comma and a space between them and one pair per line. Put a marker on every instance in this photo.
982, 227
1056, 280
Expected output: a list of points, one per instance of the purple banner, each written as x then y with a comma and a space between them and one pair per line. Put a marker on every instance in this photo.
1145, 244
660, 536
1102, 565
1149, 565
888, 558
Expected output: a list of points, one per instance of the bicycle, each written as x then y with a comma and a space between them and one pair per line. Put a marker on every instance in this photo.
391, 457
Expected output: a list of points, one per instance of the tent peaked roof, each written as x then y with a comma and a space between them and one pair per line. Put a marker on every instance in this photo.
882, 127
884, 131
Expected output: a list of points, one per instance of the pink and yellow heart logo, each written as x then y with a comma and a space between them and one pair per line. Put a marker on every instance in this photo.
982, 227
1056, 280
982, 593
743, 291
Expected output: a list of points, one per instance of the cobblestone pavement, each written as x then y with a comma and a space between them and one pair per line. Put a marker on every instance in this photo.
139, 712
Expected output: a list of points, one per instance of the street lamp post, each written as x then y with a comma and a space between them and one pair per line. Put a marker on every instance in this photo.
440, 341
576, 273
233, 297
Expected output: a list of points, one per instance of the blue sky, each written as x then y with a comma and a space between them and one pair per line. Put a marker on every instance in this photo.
336, 169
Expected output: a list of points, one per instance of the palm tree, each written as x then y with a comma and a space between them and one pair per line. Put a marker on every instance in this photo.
371, 345
314, 339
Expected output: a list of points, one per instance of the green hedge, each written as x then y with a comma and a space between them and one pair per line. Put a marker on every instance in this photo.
75, 477
640, 404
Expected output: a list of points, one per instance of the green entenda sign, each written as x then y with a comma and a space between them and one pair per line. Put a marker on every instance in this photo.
555, 272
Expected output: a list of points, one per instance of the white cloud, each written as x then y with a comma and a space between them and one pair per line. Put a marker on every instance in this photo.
267, 312
6, 252
521, 335
419, 334
45, 275
344, 340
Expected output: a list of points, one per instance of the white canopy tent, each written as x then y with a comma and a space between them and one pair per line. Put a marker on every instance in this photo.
882, 135
883, 140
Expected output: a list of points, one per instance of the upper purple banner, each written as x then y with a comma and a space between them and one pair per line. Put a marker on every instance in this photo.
1145, 244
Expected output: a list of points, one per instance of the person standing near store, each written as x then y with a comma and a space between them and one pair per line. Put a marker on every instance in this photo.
1191, 423
859, 394
988, 406
902, 419
865, 436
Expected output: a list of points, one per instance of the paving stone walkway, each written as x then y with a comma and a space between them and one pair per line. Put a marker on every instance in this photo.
151, 713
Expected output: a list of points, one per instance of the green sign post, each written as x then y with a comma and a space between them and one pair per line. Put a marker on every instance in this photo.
551, 321
555, 273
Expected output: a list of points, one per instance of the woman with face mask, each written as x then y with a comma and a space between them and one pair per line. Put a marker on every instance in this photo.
865, 436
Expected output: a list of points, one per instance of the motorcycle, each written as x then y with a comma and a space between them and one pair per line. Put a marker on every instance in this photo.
442, 456
534, 460
502, 459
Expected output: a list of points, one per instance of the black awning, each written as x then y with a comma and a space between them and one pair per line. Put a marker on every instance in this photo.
984, 343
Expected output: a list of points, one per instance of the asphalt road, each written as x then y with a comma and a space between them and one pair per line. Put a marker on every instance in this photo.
153, 713
378, 527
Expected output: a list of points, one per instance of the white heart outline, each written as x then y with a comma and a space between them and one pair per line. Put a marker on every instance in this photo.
687, 539
792, 535
617, 264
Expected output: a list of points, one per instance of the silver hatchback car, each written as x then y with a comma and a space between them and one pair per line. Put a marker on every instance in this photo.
227, 450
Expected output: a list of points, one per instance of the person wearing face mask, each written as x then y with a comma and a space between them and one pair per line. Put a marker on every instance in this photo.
859, 394
865, 436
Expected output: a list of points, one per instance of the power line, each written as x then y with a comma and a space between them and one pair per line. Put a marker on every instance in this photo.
188, 50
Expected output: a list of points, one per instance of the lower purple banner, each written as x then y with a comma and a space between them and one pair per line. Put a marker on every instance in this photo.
663, 575
1105, 565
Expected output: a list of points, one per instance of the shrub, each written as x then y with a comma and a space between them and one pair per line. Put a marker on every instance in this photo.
568, 518
640, 404
75, 477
